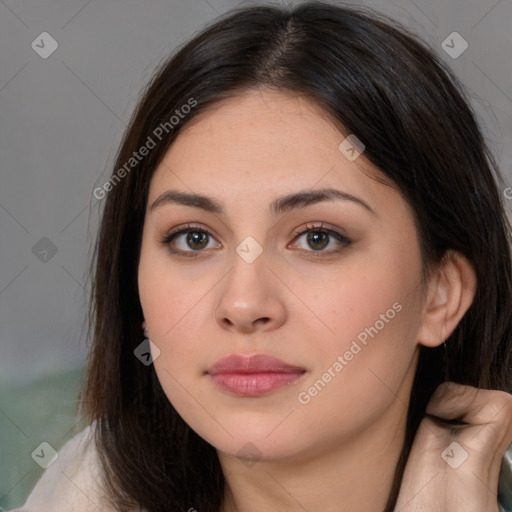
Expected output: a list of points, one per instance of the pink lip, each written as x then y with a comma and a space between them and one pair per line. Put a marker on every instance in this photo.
254, 375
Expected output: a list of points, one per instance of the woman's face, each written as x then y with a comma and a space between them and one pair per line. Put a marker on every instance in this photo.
340, 307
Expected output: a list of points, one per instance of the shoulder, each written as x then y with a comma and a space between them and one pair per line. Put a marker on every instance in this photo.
72, 482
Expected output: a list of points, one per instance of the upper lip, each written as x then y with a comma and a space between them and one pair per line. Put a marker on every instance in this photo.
259, 363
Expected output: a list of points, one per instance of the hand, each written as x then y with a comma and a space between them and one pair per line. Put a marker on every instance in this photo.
455, 468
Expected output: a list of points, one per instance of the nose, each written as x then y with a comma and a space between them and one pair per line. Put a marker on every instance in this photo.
250, 298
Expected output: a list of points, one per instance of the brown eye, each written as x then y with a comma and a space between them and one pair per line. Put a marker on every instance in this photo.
317, 240
197, 239
187, 240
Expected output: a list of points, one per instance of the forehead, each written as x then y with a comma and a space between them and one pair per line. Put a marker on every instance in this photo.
260, 144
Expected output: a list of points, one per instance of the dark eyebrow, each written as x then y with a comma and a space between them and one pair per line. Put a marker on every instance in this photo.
282, 204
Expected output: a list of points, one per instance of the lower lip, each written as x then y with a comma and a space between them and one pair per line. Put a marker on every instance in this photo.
254, 384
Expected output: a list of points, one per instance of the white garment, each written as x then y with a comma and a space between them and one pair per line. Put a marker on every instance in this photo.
71, 483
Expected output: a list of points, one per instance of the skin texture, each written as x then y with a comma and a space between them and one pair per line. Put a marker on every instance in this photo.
327, 453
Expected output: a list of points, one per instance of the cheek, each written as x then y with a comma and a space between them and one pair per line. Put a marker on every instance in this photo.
363, 373
175, 307
373, 318
169, 298
365, 299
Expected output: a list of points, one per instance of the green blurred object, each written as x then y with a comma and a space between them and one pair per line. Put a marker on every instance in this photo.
505, 484
44, 409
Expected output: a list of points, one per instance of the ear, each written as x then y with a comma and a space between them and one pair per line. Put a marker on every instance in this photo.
451, 290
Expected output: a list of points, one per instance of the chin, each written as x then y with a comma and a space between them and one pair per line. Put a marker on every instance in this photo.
252, 450
256, 438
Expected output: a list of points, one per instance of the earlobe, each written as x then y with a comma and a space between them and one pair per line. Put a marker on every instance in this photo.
451, 291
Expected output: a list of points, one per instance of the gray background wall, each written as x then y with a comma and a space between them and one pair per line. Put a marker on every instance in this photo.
62, 118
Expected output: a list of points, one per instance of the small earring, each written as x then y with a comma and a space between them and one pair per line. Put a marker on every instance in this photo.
146, 330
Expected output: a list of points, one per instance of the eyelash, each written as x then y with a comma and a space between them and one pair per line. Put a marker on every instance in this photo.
183, 229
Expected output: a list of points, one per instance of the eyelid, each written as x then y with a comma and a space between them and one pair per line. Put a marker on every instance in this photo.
320, 226
170, 235
340, 237
181, 229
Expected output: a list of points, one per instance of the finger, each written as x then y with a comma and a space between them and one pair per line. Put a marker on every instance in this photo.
471, 405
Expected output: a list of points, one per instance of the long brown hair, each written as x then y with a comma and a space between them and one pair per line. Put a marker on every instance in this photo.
376, 81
